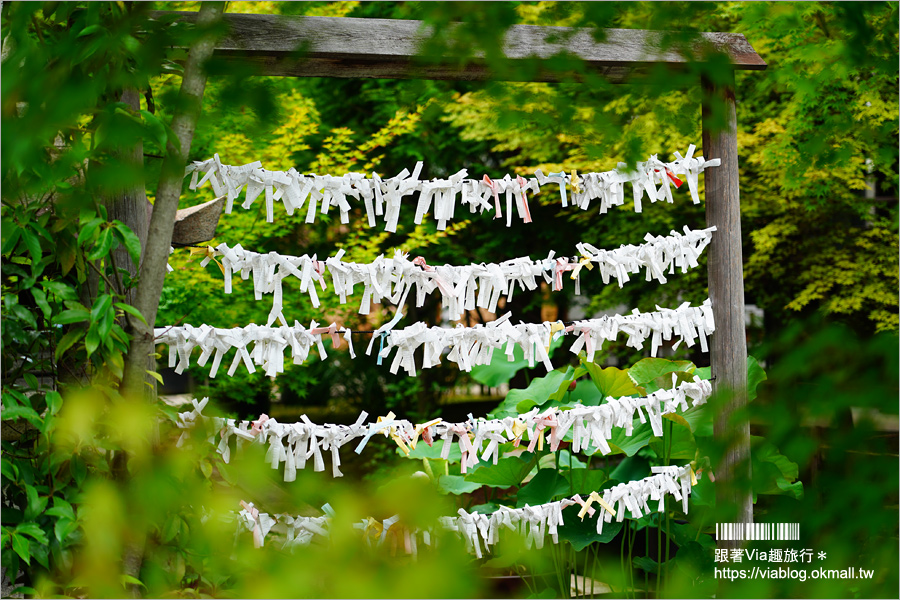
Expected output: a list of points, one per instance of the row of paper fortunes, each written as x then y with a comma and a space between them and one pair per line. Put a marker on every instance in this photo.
393, 278
479, 530
589, 428
469, 346
383, 197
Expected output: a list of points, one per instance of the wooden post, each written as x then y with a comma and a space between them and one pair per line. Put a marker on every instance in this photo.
728, 345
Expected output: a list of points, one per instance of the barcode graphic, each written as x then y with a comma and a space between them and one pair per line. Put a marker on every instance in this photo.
757, 531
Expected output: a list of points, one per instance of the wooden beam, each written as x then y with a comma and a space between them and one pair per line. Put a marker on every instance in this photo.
388, 48
728, 346
198, 223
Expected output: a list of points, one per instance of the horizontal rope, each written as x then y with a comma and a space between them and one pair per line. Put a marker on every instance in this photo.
384, 197
469, 346
481, 531
591, 428
462, 287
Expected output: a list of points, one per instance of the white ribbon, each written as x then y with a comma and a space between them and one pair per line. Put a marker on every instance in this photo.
395, 276
591, 428
383, 197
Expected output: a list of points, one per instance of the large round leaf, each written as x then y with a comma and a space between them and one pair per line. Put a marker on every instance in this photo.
507, 472
581, 533
641, 434
542, 488
585, 481
612, 381
501, 369
456, 484
646, 370
423, 450
539, 391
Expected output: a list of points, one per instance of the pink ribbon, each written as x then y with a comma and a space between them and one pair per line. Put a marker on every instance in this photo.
490, 183
465, 445
332, 329
539, 424
256, 426
562, 265
588, 341
427, 437
319, 268
257, 527
522, 183
446, 290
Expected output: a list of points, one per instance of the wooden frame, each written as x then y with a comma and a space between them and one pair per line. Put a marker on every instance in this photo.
383, 48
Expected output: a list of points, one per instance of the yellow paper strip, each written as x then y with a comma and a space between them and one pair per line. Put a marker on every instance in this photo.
603, 503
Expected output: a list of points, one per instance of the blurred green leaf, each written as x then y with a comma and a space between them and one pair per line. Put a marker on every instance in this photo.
755, 376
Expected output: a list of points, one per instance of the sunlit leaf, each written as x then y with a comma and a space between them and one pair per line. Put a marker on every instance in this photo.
612, 381
507, 472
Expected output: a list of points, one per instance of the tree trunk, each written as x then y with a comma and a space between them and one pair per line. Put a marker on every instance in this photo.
130, 206
162, 221
155, 251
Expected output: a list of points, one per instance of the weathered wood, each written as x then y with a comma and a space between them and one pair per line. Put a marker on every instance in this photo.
728, 346
197, 223
388, 48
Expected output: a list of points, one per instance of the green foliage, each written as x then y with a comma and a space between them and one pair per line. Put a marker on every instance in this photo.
523, 478
501, 369
66, 262
816, 129
88, 475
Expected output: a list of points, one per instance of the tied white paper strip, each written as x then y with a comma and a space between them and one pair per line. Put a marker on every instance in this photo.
469, 346
481, 531
294, 444
383, 197
297, 530
462, 287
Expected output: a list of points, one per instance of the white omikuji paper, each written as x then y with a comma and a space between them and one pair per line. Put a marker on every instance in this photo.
462, 287
482, 531
264, 346
292, 445
382, 198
